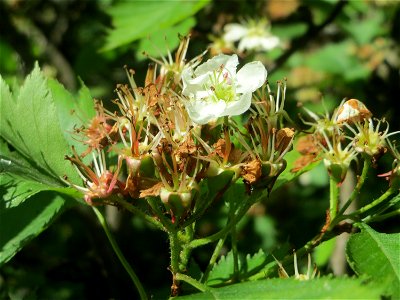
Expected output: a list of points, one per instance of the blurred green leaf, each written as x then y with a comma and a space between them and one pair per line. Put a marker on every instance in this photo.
364, 30
323, 252
137, 19
24, 222
8, 58
376, 255
320, 288
289, 31
156, 44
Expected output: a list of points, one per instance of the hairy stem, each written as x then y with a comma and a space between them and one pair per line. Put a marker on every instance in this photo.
193, 282
131, 208
213, 259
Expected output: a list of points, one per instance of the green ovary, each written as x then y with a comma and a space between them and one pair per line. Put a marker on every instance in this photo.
224, 92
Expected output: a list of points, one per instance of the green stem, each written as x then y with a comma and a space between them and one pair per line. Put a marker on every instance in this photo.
360, 183
175, 248
289, 258
136, 211
382, 217
333, 198
213, 259
205, 203
120, 256
165, 221
235, 254
193, 282
232, 222
374, 203
186, 251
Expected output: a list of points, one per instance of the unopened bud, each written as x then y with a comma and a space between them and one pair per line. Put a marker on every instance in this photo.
178, 202
337, 171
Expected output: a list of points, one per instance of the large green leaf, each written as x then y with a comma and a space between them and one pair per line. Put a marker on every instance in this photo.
29, 122
167, 38
15, 190
320, 288
24, 222
13, 162
377, 255
133, 20
249, 265
72, 111
34, 133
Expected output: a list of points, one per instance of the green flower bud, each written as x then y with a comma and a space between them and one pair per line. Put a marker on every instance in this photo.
177, 202
337, 171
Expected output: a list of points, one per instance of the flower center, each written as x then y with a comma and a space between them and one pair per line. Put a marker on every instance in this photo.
221, 85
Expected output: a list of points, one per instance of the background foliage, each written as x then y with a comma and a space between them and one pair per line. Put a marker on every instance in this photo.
332, 50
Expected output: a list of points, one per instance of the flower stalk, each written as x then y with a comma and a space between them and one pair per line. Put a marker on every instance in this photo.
121, 257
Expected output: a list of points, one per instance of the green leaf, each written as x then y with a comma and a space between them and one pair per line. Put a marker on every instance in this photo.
158, 43
15, 189
364, 30
133, 20
326, 59
72, 110
250, 265
29, 122
376, 255
323, 252
20, 224
320, 288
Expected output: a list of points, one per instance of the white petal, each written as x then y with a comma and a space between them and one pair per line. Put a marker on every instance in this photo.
234, 32
201, 112
270, 42
249, 43
251, 77
213, 64
239, 106
192, 85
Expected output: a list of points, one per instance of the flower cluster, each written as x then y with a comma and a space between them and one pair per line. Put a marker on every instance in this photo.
349, 133
249, 35
183, 127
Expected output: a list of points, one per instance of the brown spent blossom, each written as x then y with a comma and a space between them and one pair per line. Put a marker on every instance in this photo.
283, 139
308, 149
100, 133
251, 171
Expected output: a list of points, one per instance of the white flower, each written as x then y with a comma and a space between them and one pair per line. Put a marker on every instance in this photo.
214, 89
252, 35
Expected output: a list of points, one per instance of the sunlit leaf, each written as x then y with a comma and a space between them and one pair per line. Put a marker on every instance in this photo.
29, 122
321, 288
377, 255
133, 20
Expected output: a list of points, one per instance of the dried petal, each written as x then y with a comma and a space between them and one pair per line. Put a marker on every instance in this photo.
352, 111
251, 171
